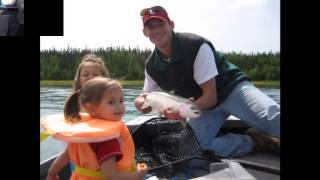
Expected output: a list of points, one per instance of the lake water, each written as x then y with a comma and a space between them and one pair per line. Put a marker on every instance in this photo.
52, 102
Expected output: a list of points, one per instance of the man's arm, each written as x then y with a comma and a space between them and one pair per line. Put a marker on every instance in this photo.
207, 100
205, 71
209, 96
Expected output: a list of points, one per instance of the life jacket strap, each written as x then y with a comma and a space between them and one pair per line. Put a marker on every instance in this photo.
87, 172
44, 135
92, 173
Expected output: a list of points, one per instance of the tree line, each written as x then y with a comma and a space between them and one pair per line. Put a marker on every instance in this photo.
128, 63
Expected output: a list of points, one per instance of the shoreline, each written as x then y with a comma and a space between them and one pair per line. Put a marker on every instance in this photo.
260, 84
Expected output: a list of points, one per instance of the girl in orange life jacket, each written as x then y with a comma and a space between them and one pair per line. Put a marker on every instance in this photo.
102, 98
90, 66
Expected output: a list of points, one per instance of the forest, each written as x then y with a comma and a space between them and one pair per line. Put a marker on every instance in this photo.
128, 63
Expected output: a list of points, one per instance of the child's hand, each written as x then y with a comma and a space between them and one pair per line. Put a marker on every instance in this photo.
141, 166
143, 169
53, 177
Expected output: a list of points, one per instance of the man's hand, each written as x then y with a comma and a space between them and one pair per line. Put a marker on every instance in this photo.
170, 114
138, 102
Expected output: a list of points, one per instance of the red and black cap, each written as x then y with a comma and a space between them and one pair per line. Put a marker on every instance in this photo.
155, 12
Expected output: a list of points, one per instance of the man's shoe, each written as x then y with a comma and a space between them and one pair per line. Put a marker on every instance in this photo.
263, 143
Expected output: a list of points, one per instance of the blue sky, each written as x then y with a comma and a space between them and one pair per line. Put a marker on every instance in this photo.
231, 25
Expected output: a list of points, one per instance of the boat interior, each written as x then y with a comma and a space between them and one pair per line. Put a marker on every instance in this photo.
172, 155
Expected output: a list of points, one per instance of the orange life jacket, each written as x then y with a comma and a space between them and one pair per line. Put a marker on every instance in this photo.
81, 133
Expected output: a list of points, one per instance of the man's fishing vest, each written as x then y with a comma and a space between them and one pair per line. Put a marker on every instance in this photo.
177, 75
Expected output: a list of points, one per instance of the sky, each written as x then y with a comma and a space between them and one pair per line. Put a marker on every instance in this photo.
231, 25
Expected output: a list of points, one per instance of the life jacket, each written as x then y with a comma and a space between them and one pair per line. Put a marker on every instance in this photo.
88, 130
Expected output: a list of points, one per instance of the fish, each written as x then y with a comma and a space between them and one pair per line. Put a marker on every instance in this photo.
160, 101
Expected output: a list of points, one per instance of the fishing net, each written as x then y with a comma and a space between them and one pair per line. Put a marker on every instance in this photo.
170, 150
175, 146
160, 142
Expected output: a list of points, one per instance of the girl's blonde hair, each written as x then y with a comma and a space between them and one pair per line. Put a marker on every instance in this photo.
89, 58
91, 92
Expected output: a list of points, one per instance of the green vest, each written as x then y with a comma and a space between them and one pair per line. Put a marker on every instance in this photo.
177, 74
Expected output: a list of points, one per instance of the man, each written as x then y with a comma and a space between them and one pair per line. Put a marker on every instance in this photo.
188, 65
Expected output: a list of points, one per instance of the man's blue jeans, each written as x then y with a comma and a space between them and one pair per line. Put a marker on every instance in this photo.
247, 103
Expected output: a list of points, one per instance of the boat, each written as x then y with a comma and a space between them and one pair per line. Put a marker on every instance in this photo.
192, 162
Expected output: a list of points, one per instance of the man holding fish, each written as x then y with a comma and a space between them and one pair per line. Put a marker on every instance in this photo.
188, 65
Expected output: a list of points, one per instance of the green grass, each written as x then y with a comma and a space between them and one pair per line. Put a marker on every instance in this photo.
69, 83
132, 83
56, 83
270, 84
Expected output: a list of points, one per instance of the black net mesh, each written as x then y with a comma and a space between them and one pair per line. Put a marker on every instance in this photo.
175, 146
160, 141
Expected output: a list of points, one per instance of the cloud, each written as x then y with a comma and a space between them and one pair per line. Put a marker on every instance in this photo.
238, 4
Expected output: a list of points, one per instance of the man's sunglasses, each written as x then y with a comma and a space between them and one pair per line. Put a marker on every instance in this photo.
152, 10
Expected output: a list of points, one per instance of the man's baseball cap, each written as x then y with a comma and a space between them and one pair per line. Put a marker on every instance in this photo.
155, 12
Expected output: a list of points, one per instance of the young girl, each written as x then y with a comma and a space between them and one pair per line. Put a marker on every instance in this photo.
90, 67
101, 146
